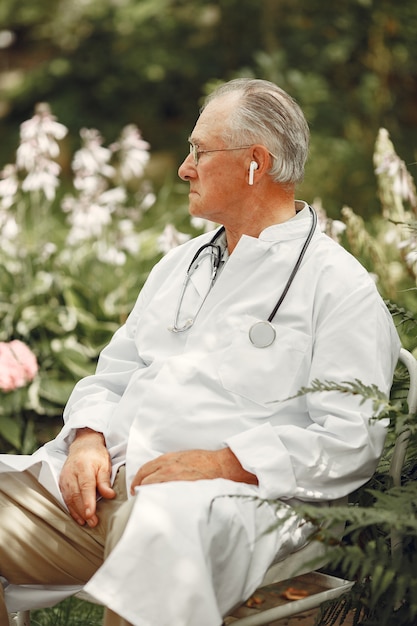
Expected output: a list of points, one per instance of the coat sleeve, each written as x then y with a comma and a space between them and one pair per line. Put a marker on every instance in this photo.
95, 398
338, 451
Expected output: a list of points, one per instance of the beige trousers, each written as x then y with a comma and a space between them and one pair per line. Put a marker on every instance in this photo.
41, 544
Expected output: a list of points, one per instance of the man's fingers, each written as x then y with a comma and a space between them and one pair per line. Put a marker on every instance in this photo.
85, 475
104, 487
76, 508
79, 492
88, 493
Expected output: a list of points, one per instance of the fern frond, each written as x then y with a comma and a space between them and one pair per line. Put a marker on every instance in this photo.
380, 400
401, 315
394, 509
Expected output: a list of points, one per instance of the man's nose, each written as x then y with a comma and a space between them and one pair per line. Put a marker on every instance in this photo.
187, 168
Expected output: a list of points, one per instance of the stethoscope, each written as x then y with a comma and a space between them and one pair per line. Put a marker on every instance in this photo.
261, 334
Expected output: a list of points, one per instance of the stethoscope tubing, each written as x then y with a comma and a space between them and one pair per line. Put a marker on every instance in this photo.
296, 266
295, 269
266, 325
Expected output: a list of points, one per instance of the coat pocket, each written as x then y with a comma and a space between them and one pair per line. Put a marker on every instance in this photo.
270, 374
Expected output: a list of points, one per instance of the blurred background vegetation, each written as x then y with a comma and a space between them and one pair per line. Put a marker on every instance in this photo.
106, 63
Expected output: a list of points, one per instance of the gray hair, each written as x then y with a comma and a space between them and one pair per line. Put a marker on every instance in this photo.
266, 114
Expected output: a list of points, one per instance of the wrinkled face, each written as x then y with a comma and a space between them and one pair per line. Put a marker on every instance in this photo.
218, 181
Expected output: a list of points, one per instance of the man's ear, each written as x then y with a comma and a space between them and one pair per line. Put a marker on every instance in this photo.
260, 162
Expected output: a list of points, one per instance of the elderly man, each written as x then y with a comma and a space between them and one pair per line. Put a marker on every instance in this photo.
194, 401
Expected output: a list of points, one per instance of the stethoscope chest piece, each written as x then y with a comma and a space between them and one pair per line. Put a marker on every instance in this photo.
262, 334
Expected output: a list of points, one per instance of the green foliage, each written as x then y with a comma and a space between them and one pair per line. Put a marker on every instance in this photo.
380, 402
349, 64
386, 583
161, 55
70, 612
387, 247
74, 254
379, 549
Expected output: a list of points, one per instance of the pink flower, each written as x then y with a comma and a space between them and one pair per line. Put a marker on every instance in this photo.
18, 365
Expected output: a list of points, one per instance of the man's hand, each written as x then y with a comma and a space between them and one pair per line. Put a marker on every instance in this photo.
193, 465
85, 474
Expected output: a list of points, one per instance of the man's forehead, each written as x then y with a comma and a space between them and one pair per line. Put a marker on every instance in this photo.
212, 120
224, 103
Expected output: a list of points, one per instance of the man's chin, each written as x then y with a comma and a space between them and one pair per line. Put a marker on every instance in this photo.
194, 209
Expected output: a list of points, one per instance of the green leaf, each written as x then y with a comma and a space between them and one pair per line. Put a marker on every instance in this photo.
10, 430
57, 391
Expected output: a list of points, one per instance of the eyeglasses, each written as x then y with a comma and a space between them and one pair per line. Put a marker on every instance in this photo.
194, 150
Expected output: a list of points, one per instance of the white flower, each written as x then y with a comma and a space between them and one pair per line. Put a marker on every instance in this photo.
44, 177
403, 185
93, 158
133, 153
110, 255
388, 163
171, 238
42, 126
8, 186
37, 150
26, 155
41, 181
9, 231
90, 214
411, 258
128, 238
391, 235
200, 222
9, 228
39, 136
91, 185
88, 224
404, 244
68, 203
48, 250
332, 228
337, 228
44, 281
112, 197
147, 201
67, 318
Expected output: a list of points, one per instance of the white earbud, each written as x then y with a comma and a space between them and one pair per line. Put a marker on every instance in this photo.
252, 167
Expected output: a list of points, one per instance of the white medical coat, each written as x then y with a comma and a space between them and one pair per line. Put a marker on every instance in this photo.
156, 391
